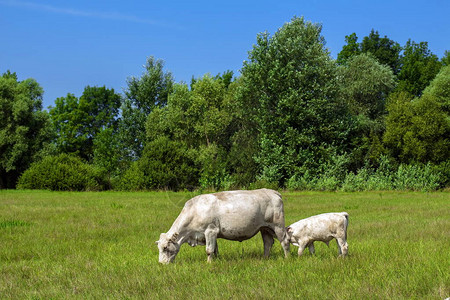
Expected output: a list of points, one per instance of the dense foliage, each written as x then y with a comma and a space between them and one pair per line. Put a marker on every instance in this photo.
78, 121
24, 127
418, 130
165, 164
385, 50
289, 92
62, 173
375, 118
142, 95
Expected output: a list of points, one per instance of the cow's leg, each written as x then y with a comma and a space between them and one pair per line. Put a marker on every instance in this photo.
216, 249
342, 246
280, 233
339, 247
211, 242
268, 241
311, 248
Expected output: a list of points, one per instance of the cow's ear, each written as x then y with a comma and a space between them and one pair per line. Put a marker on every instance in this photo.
289, 229
157, 242
174, 237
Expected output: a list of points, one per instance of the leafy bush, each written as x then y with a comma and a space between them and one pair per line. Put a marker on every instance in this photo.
328, 177
366, 179
259, 184
333, 174
417, 178
298, 182
386, 177
132, 180
62, 173
356, 182
327, 183
381, 178
444, 170
164, 164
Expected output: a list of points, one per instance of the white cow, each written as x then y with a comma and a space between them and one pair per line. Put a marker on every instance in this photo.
232, 215
324, 227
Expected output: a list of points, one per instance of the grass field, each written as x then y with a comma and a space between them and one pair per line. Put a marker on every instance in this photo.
101, 245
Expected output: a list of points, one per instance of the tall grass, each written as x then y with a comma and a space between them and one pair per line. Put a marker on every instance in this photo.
425, 178
101, 245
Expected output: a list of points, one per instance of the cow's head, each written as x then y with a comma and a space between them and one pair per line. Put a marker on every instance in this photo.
168, 248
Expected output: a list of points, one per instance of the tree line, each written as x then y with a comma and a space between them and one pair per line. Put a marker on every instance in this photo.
377, 117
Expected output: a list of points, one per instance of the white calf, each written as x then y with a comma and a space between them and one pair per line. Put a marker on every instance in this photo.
323, 227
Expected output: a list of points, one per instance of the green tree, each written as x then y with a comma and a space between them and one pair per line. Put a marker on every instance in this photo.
78, 121
200, 119
365, 85
352, 48
385, 50
398, 123
67, 124
440, 88
428, 139
244, 138
107, 152
208, 110
198, 116
142, 96
24, 128
418, 131
226, 78
445, 60
418, 67
101, 107
288, 90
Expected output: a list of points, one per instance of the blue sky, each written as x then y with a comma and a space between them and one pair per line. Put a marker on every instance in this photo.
67, 45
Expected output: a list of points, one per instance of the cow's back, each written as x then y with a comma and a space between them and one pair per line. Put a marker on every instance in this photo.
241, 214
263, 201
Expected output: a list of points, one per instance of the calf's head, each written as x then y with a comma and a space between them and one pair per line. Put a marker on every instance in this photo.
168, 248
288, 234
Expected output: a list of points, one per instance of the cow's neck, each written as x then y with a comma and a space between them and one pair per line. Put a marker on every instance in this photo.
179, 227
181, 235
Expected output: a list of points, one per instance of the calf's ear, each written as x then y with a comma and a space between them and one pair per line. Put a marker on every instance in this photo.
157, 242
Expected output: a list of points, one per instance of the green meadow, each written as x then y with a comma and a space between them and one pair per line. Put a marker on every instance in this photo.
64, 245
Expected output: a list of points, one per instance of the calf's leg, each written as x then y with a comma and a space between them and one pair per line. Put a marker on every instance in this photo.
302, 244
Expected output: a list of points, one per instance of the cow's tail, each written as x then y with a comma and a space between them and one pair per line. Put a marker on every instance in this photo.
345, 223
